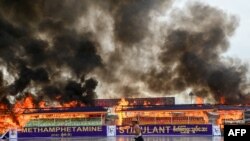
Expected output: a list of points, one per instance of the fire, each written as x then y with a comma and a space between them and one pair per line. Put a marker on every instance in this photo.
199, 100
222, 100
5, 123
118, 109
146, 103
167, 117
20, 106
229, 115
42, 104
201, 114
25, 110
160, 117
2, 106
16, 118
121, 104
70, 104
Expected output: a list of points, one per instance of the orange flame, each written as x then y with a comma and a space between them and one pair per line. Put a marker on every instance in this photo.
118, 109
3, 107
70, 104
199, 100
42, 104
222, 100
17, 119
229, 115
20, 106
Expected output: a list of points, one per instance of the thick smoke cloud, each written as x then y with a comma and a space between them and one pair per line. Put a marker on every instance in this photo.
191, 56
132, 18
58, 47
80, 92
32, 59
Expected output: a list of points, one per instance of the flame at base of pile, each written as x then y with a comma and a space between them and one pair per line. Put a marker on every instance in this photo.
26, 114
17, 117
194, 114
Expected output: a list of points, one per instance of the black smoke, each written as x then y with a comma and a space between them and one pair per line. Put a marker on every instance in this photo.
191, 57
51, 45
132, 18
34, 61
82, 92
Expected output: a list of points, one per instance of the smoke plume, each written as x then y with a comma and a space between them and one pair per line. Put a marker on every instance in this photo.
76, 50
39, 46
191, 56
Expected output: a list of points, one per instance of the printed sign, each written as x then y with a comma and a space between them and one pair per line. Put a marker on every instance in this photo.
79, 131
63, 131
167, 130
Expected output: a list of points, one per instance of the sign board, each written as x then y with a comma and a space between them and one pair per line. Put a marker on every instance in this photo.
63, 131
80, 131
167, 130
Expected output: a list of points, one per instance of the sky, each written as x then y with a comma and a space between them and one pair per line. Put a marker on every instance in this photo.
239, 47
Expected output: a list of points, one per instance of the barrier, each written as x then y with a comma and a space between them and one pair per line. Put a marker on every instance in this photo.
147, 130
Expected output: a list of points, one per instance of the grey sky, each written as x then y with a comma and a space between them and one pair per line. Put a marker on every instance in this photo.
240, 46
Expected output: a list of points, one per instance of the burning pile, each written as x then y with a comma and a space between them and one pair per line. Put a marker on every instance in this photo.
232, 115
16, 117
13, 118
178, 116
121, 105
56, 49
24, 114
50, 52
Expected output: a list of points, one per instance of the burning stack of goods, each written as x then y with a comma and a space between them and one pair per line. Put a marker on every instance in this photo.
26, 114
53, 55
170, 113
157, 111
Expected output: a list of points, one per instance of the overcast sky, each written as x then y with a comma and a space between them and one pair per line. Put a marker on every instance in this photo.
240, 46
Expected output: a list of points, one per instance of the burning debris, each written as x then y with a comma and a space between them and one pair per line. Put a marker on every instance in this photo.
55, 50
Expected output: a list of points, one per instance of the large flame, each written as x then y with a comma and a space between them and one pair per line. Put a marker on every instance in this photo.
159, 117
229, 115
16, 117
121, 105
